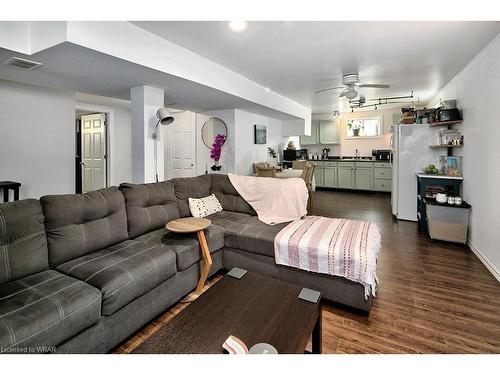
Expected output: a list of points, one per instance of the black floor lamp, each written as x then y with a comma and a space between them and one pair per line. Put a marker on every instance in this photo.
165, 118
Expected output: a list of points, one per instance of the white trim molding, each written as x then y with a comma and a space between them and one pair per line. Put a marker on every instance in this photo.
493, 270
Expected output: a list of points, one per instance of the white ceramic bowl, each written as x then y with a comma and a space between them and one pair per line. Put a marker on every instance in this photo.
441, 198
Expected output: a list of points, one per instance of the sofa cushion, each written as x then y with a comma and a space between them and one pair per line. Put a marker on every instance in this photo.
79, 224
228, 196
123, 272
254, 236
44, 310
228, 219
149, 206
186, 246
204, 206
191, 187
23, 244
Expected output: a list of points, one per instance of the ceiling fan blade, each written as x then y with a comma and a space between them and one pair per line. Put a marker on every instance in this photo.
331, 88
375, 85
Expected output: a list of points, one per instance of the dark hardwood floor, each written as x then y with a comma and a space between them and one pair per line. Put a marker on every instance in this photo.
434, 297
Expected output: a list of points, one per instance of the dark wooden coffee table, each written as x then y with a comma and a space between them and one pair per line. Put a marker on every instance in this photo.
254, 308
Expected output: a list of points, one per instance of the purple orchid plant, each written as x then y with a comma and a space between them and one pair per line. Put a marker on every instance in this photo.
216, 149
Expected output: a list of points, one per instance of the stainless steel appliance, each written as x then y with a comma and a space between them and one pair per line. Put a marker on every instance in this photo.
410, 149
290, 155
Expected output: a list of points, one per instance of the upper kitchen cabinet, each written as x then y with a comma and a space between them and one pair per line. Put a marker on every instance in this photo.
325, 132
329, 132
314, 138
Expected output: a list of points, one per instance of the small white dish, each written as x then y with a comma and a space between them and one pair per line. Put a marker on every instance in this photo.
441, 198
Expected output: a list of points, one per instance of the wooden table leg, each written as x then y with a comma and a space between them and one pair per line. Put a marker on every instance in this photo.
316, 335
206, 257
5, 195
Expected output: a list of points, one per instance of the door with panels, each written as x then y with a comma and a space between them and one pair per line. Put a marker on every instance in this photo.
181, 146
93, 142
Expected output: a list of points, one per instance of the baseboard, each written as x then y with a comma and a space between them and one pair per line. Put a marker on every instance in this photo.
493, 270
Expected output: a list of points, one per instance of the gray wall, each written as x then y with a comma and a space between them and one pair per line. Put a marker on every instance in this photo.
37, 138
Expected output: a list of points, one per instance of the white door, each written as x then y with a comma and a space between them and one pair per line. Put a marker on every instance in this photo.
182, 158
93, 135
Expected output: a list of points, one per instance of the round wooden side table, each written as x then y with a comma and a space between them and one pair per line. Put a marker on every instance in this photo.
191, 225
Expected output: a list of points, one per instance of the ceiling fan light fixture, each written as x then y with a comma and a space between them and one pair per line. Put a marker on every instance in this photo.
351, 94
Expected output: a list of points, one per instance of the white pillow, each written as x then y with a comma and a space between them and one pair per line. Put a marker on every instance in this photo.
204, 206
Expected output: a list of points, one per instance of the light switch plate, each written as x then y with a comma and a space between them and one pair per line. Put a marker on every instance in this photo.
309, 295
237, 273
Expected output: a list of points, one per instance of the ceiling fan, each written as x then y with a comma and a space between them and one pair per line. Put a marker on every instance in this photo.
350, 84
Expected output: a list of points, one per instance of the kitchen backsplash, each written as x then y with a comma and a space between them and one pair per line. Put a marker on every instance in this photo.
334, 149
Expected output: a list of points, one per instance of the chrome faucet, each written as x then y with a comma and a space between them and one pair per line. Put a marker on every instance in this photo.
357, 154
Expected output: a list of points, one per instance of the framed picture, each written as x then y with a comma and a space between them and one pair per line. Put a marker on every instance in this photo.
260, 134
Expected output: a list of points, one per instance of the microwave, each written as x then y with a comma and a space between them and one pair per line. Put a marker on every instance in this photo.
291, 155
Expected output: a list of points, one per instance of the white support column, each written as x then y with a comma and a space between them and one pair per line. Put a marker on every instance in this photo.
145, 102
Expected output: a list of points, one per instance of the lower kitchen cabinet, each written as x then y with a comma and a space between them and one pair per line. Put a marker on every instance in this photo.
363, 178
319, 175
359, 175
330, 177
345, 177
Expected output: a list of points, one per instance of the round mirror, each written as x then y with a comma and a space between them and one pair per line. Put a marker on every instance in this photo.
212, 127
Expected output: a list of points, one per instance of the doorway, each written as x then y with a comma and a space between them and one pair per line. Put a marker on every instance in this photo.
91, 164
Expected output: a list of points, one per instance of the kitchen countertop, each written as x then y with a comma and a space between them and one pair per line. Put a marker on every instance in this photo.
426, 175
350, 159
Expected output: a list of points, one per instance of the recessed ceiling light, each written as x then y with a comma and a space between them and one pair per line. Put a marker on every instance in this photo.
268, 89
238, 26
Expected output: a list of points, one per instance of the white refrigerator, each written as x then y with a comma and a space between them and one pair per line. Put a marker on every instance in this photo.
411, 153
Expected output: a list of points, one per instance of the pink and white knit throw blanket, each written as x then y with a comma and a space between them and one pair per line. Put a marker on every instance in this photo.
339, 247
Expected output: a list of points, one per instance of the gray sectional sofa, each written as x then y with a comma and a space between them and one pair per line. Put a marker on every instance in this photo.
80, 273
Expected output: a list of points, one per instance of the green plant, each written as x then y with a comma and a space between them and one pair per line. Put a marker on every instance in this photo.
271, 152
355, 125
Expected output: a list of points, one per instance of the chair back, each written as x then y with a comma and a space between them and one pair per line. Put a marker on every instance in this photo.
266, 171
307, 174
298, 164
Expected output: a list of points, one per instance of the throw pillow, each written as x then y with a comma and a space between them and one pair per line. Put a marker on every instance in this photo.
204, 206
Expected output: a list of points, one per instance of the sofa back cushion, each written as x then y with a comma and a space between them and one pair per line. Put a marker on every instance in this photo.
79, 224
191, 187
149, 206
23, 244
228, 196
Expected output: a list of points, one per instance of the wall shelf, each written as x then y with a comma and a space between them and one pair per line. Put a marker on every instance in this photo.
445, 146
445, 123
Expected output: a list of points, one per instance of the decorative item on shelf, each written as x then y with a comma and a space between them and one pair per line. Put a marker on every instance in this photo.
408, 116
216, 150
451, 166
450, 137
290, 146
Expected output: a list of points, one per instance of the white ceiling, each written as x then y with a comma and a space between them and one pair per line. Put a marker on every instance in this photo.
297, 58
72, 67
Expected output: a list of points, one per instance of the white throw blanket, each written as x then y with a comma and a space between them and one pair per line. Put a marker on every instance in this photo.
275, 200
339, 247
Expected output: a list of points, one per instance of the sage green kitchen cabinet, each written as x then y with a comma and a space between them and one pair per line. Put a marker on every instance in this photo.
363, 177
345, 178
329, 132
313, 139
319, 176
330, 177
